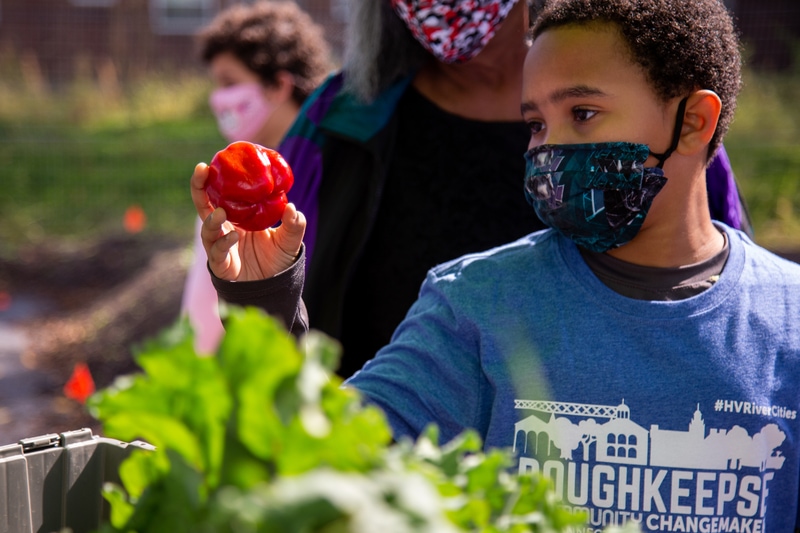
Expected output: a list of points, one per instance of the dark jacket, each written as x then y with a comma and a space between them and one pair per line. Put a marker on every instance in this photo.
333, 124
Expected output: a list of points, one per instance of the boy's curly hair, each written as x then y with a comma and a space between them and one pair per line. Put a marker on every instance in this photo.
267, 37
682, 45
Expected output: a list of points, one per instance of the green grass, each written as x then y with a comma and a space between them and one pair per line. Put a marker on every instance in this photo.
73, 162
62, 187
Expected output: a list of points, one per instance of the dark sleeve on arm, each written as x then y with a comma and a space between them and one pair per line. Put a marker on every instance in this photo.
280, 295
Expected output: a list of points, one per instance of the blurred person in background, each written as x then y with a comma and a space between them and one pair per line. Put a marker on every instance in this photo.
410, 156
264, 60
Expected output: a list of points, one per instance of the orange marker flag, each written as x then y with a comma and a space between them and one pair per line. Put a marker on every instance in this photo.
134, 219
80, 385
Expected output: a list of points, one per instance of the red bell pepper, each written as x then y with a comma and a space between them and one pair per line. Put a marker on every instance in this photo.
250, 182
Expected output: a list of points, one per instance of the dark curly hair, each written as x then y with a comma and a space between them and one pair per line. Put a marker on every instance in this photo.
270, 36
682, 45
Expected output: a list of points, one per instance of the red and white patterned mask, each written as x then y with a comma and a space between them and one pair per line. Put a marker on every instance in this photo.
453, 30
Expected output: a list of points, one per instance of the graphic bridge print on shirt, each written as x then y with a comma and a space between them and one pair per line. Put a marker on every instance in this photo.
601, 461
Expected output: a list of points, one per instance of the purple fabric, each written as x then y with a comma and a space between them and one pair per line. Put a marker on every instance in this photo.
319, 108
723, 194
306, 157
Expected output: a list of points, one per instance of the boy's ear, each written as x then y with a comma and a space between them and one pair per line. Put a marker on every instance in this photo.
699, 121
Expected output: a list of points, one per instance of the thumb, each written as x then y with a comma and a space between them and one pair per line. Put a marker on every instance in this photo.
289, 237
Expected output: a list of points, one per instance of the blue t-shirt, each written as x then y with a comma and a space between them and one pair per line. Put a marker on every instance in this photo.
682, 415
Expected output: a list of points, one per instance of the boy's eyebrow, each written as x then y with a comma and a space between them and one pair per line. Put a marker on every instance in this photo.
576, 91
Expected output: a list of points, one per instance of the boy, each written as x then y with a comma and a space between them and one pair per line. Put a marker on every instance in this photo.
641, 355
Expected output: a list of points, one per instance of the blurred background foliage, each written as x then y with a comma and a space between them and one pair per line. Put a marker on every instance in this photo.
764, 148
75, 159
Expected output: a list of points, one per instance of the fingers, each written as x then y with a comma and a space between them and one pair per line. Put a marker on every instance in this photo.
211, 230
199, 196
219, 256
218, 243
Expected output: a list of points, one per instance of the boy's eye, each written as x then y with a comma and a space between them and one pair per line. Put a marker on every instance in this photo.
535, 126
582, 115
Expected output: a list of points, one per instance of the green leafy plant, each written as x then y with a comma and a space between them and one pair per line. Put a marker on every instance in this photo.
263, 438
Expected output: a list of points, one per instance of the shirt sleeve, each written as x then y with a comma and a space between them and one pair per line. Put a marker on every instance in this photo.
280, 295
430, 372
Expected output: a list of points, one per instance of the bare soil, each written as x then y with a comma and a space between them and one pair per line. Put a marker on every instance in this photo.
94, 304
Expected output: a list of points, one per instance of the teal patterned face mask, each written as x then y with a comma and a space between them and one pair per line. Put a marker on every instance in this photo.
596, 194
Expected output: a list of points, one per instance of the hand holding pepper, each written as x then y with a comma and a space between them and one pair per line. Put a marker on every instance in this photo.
236, 254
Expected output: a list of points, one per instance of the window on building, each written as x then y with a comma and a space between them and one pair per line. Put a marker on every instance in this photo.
181, 17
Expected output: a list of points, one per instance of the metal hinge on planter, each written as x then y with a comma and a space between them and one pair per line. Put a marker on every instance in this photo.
41, 442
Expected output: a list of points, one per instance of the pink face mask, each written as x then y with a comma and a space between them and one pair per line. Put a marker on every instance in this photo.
241, 111
453, 30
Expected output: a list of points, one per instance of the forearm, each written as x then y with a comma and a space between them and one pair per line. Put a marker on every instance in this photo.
280, 295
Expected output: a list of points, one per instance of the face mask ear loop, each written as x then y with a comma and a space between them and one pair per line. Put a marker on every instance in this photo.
676, 135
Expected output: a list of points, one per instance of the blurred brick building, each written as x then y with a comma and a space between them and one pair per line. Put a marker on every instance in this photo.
770, 30
65, 38
124, 38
